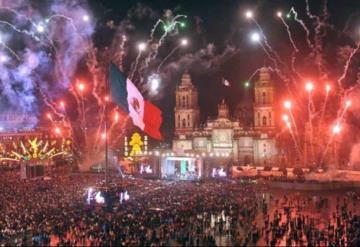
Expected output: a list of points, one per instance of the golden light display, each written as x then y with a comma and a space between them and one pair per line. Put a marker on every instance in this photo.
137, 145
34, 149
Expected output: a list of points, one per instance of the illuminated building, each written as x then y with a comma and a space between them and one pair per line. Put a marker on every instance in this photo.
31, 145
245, 143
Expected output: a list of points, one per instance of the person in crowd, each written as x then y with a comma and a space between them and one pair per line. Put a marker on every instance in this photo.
159, 213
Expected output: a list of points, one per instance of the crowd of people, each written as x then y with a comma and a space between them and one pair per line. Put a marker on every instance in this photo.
299, 220
164, 213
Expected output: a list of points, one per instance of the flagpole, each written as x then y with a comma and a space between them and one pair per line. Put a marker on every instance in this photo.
106, 147
106, 134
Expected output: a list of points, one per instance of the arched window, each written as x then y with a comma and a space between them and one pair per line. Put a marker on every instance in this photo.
183, 101
264, 121
178, 121
188, 120
187, 101
258, 118
184, 123
264, 98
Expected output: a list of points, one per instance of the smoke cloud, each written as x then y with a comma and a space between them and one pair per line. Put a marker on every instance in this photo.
49, 41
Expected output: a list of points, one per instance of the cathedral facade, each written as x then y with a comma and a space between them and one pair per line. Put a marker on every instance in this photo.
244, 143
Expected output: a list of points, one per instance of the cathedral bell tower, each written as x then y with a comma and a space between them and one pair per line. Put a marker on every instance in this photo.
186, 108
264, 117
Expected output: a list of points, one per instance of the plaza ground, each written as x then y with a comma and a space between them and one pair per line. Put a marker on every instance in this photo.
159, 212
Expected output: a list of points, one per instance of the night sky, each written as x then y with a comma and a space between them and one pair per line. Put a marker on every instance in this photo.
221, 24
55, 57
220, 46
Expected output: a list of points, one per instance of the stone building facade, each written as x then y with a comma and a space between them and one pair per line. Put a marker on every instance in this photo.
244, 143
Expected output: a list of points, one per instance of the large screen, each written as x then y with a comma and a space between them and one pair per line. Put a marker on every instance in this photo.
218, 172
145, 169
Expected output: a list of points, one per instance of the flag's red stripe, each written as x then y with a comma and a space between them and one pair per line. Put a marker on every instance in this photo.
152, 120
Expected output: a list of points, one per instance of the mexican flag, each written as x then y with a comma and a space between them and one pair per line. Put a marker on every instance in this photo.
124, 93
